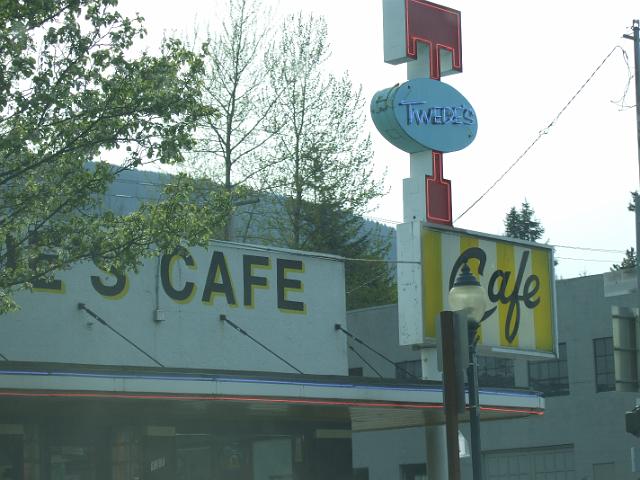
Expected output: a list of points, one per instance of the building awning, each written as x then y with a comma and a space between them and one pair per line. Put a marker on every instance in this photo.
368, 404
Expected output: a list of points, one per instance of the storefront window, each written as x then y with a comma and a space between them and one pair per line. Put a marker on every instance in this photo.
221, 450
551, 377
11, 457
415, 471
496, 372
206, 456
194, 457
72, 463
272, 459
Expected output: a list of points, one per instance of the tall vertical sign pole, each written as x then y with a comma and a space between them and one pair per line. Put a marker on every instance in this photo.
428, 37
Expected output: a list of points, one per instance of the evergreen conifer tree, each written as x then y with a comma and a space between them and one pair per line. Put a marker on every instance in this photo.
522, 223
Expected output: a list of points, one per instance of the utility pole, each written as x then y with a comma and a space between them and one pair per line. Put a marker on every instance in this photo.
636, 58
636, 61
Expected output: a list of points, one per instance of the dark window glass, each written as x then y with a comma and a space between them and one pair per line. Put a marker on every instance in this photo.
551, 377
360, 474
355, 372
410, 370
605, 371
72, 462
495, 372
11, 457
414, 471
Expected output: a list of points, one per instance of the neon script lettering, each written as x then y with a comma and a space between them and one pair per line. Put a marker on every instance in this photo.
439, 115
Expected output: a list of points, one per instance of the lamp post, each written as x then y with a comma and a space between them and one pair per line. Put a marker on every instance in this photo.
469, 296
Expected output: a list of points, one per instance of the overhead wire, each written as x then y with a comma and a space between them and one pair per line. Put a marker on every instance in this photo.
630, 77
541, 133
586, 259
589, 249
383, 220
4, 358
368, 282
327, 256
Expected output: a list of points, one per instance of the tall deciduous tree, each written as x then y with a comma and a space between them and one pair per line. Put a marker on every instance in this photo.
324, 171
235, 138
522, 223
71, 90
321, 151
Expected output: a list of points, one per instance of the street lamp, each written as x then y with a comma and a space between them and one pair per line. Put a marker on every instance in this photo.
467, 295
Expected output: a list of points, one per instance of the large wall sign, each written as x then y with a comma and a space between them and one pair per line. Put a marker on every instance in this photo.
172, 308
516, 275
424, 114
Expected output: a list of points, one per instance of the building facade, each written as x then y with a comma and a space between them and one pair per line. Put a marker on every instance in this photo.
226, 362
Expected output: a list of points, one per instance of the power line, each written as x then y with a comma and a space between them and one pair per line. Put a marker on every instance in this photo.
585, 259
382, 220
361, 342
82, 306
541, 133
365, 362
368, 282
327, 256
376, 260
224, 318
4, 358
620, 103
589, 249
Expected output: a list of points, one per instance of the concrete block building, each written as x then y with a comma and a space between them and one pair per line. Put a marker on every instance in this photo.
587, 391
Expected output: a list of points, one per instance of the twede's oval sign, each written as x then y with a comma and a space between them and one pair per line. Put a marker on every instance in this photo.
424, 114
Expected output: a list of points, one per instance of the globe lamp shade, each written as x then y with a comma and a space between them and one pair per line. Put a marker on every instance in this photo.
468, 294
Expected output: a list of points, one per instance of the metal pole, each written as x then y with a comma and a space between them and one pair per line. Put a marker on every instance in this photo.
636, 62
450, 388
474, 403
636, 57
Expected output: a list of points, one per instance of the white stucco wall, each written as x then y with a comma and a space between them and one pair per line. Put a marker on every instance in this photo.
50, 327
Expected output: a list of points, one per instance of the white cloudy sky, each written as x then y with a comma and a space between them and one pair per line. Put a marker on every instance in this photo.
523, 61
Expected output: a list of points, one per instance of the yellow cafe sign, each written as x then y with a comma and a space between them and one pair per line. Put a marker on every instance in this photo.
517, 276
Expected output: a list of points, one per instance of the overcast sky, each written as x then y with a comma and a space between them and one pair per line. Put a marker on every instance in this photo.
522, 61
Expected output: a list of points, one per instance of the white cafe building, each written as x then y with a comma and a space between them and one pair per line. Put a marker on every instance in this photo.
222, 363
